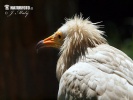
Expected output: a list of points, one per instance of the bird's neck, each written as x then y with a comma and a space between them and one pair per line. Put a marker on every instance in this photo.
68, 58
74, 48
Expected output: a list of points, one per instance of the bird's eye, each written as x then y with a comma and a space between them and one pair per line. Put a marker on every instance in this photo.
59, 36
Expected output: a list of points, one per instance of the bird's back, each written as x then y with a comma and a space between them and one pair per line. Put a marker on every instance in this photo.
111, 60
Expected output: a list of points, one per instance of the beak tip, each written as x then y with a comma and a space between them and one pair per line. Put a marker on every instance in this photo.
39, 45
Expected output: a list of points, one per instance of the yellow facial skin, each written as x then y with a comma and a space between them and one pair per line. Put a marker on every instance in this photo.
55, 40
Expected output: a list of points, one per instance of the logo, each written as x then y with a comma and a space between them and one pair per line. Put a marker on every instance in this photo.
17, 10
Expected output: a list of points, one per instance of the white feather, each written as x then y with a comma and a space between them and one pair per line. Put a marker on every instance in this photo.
89, 68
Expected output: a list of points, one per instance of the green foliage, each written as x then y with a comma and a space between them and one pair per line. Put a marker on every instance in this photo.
116, 36
127, 47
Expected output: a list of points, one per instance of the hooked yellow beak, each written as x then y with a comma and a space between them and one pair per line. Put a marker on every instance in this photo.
49, 42
54, 40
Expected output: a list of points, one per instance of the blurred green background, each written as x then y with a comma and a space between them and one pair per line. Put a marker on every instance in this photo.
26, 75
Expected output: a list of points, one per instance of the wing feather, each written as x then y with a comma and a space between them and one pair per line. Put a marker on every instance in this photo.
105, 74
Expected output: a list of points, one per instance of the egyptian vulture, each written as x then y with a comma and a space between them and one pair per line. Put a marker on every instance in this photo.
88, 67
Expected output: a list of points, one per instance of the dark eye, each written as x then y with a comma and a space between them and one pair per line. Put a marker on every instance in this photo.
59, 36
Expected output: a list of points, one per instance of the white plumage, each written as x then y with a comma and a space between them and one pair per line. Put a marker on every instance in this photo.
88, 67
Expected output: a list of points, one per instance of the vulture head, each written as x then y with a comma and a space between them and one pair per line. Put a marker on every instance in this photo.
73, 38
76, 33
